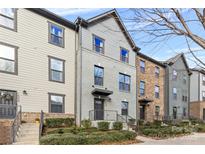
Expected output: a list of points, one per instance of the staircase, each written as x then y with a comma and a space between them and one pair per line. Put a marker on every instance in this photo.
28, 134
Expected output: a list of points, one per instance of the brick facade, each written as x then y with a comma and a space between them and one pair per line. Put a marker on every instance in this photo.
196, 109
150, 81
6, 131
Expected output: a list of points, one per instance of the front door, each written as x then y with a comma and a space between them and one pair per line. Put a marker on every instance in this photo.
142, 112
203, 114
174, 112
98, 109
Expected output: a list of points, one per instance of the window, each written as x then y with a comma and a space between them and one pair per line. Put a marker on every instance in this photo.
174, 75
8, 18
156, 91
124, 82
184, 98
175, 93
203, 80
98, 44
56, 35
8, 59
56, 70
184, 79
157, 70
56, 103
157, 110
124, 55
142, 88
184, 112
203, 95
124, 108
142, 66
98, 75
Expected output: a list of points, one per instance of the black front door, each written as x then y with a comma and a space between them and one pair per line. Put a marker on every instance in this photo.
175, 112
203, 114
142, 112
98, 109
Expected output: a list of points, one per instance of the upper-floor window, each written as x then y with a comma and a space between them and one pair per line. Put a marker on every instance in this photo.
174, 75
124, 108
203, 95
156, 90
203, 80
184, 79
8, 18
56, 69
56, 103
56, 35
174, 93
124, 55
184, 98
98, 44
157, 70
142, 66
142, 88
8, 59
124, 82
98, 75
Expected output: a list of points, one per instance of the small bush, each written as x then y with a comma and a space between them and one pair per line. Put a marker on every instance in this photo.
86, 123
59, 122
117, 126
200, 128
103, 126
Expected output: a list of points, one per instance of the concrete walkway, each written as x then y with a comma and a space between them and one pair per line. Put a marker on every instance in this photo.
193, 139
28, 134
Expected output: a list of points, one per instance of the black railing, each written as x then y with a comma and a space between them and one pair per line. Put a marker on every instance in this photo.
175, 117
41, 124
108, 115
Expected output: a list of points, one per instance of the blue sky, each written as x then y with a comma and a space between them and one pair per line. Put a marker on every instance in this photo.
162, 51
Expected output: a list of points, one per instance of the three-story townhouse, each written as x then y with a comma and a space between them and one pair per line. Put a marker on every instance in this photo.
37, 63
106, 69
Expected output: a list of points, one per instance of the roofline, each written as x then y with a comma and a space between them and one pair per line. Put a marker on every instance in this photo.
52, 16
198, 70
150, 59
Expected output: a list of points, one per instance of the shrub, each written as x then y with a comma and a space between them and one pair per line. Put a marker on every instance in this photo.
59, 122
117, 126
87, 139
103, 126
86, 123
200, 128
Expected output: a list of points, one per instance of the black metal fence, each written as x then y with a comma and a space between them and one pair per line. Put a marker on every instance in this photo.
41, 123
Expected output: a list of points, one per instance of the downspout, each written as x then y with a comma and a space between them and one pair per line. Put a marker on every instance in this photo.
189, 96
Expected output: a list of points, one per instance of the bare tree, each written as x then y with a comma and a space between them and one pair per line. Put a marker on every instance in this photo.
162, 24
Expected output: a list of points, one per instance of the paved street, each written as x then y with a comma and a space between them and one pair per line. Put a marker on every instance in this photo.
193, 139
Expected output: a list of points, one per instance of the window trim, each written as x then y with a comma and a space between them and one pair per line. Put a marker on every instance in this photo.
102, 77
158, 92
128, 52
202, 95
127, 108
122, 90
49, 101
93, 36
203, 81
157, 74
49, 69
15, 61
175, 98
49, 34
15, 21
141, 67
141, 88
174, 78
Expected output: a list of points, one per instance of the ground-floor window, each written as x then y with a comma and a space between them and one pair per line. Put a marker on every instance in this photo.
56, 103
184, 112
124, 108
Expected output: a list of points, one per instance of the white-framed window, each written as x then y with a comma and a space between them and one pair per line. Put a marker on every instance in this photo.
8, 18
156, 90
174, 91
124, 108
203, 80
124, 55
203, 95
157, 71
98, 75
142, 66
174, 75
98, 44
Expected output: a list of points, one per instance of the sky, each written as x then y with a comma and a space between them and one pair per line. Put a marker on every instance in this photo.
159, 51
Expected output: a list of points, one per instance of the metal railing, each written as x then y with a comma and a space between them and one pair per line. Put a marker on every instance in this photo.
126, 118
175, 117
108, 115
41, 123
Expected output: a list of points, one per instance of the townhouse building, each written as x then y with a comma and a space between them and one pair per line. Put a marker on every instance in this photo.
177, 84
37, 63
151, 88
106, 69
197, 94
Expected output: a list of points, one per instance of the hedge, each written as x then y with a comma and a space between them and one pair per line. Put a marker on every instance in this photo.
117, 126
85, 138
103, 126
59, 122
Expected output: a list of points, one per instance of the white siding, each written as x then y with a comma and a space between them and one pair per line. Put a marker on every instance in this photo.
194, 86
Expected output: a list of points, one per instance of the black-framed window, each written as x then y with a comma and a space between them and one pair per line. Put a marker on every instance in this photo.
142, 88
56, 70
174, 91
203, 80
174, 75
56, 103
56, 34
184, 98
184, 112
124, 55
8, 59
98, 75
124, 82
142, 66
156, 91
124, 108
8, 18
157, 110
203, 95
98, 44
157, 71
